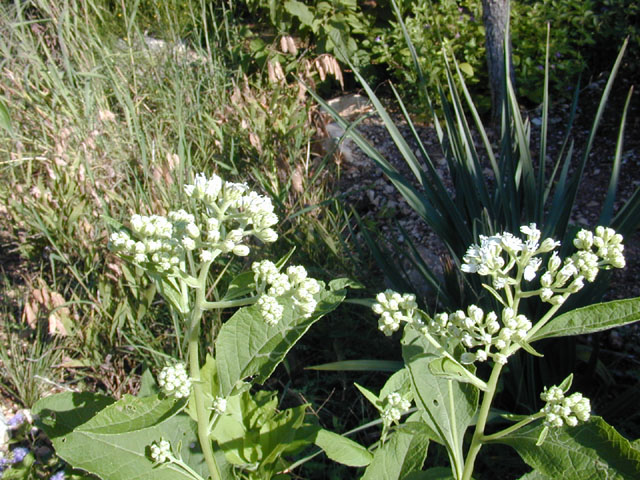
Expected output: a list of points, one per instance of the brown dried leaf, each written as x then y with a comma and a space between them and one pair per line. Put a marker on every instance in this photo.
292, 46
30, 314
56, 326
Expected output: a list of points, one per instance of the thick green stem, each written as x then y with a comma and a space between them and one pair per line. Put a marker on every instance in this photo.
478, 435
194, 370
201, 412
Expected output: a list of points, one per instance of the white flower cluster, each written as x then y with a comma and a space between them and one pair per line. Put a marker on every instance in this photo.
219, 405
272, 285
488, 258
497, 255
394, 309
395, 406
475, 329
225, 214
160, 451
560, 410
173, 380
235, 201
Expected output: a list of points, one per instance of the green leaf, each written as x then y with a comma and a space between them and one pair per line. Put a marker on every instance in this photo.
447, 406
369, 395
300, 11
534, 475
5, 118
591, 319
241, 285
435, 473
402, 454
360, 366
445, 367
592, 450
466, 68
247, 346
148, 385
111, 440
398, 382
342, 450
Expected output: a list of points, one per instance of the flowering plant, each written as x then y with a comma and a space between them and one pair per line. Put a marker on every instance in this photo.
441, 353
202, 419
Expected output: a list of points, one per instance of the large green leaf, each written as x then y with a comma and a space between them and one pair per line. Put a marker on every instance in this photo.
402, 454
594, 450
247, 346
590, 319
435, 473
534, 475
342, 450
448, 406
111, 439
301, 11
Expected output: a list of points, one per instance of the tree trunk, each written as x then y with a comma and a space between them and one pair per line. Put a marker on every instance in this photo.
495, 15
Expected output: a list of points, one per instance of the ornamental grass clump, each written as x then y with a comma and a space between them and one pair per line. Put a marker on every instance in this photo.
207, 400
441, 353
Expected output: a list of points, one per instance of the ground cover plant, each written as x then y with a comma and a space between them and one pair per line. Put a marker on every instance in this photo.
177, 345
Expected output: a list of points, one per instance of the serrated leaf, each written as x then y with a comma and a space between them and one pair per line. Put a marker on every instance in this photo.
113, 442
593, 450
402, 454
248, 346
534, 475
342, 450
591, 319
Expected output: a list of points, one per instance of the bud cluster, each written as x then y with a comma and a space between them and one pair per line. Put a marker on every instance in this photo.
604, 249
225, 214
219, 405
395, 406
394, 308
272, 285
160, 451
174, 381
560, 410
475, 329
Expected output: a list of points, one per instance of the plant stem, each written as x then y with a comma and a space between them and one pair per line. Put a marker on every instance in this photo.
512, 428
483, 414
240, 302
194, 371
201, 412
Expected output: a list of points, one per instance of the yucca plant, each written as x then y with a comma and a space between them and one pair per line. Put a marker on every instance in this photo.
522, 191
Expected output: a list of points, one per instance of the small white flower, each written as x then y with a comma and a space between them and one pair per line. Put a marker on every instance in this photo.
270, 309
174, 381
160, 452
219, 405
